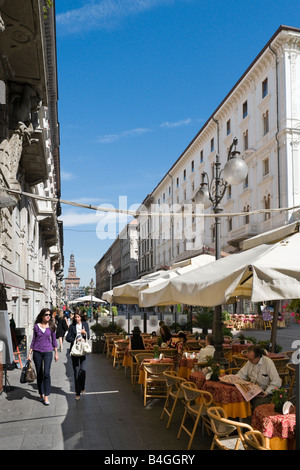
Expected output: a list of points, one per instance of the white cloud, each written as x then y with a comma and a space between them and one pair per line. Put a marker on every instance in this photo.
96, 14
65, 176
110, 138
170, 125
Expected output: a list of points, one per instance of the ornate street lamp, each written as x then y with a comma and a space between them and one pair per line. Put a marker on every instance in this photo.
210, 194
111, 272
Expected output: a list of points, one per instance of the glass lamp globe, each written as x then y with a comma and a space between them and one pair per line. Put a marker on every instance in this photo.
235, 171
202, 197
110, 269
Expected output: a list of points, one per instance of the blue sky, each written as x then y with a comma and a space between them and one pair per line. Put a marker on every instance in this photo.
137, 80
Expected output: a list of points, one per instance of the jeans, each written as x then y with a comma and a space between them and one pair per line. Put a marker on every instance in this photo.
79, 367
42, 361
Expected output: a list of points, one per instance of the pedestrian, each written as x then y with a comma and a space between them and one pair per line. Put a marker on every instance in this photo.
61, 327
42, 345
78, 331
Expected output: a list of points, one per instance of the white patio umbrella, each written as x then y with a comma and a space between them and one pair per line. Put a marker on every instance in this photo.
107, 296
87, 298
129, 293
264, 272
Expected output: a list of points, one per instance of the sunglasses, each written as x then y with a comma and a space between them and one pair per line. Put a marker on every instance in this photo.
47, 315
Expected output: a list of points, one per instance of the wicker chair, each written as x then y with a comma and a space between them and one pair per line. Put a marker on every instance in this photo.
291, 368
133, 353
139, 357
120, 347
155, 382
223, 428
197, 403
281, 366
239, 361
174, 392
255, 440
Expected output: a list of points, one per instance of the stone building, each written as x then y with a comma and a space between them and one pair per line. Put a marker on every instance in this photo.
72, 282
262, 111
31, 239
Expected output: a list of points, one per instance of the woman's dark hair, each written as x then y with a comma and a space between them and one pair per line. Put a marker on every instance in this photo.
81, 314
165, 333
182, 335
41, 315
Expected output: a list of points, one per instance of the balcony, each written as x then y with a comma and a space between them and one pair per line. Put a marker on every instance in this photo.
242, 233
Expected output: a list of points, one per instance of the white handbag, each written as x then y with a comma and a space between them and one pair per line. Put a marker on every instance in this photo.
80, 348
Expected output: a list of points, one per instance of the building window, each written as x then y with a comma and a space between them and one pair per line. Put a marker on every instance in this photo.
266, 168
245, 185
245, 140
177, 182
229, 224
164, 197
247, 217
264, 90
169, 190
212, 144
228, 127
245, 109
192, 166
267, 204
184, 175
201, 156
229, 191
265, 122
193, 186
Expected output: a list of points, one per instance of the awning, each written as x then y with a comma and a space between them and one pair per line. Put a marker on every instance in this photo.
11, 278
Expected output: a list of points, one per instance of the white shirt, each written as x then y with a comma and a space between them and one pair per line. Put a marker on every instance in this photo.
209, 350
264, 374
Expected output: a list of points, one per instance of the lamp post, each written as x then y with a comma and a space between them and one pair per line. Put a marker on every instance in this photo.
210, 194
91, 286
111, 272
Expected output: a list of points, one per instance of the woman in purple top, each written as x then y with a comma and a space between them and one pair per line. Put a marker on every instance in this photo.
42, 345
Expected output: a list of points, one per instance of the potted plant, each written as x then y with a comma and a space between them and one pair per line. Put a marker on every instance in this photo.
213, 369
279, 397
242, 338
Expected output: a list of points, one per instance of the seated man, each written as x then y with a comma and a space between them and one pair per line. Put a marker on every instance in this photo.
209, 349
261, 370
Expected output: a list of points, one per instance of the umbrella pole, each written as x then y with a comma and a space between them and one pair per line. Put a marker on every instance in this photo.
274, 327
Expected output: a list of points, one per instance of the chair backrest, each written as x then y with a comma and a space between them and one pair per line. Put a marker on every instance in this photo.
192, 345
255, 440
239, 361
156, 368
121, 345
281, 363
169, 352
222, 426
141, 356
173, 380
191, 392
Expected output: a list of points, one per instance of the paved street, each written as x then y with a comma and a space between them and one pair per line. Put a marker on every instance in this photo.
109, 417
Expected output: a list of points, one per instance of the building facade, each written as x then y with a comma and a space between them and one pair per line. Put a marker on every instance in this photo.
31, 238
263, 112
72, 282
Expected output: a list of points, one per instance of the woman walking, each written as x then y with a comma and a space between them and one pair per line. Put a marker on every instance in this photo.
42, 345
62, 326
78, 331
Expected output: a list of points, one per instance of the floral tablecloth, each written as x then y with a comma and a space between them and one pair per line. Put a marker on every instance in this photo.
272, 424
198, 378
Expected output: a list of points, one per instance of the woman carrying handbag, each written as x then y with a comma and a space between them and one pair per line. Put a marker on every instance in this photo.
78, 332
42, 345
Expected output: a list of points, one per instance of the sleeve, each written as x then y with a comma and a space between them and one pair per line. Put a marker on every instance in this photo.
243, 372
275, 380
70, 338
33, 338
54, 342
87, 329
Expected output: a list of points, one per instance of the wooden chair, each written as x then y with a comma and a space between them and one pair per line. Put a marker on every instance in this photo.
120, 347
223, 428
255, 440
110, 344
193, 345
267, 324
174, 392
133, 353
292, 375
281, 366
155, 382
197, 403
107, 336
170, 353
138, 361
239, 361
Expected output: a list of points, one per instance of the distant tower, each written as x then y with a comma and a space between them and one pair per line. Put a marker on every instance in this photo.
72, 281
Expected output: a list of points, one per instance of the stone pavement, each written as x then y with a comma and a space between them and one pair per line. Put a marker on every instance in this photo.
109, 417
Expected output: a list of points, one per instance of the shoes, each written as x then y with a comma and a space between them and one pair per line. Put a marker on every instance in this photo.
77, 397
46, 403
83, 392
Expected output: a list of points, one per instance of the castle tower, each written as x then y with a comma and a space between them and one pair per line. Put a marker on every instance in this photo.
72, 281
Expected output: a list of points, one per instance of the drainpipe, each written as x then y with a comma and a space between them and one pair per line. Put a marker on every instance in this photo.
172, 219
277, 131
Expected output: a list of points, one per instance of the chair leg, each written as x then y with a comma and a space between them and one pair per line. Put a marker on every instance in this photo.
165, 407
171, 413
193, 432
182, 423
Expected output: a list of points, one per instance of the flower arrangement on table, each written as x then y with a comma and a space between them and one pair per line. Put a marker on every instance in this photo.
279, 397
213, 369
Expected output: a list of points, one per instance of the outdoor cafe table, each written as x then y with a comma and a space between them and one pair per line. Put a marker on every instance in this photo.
185, 366
278, 429
225, 395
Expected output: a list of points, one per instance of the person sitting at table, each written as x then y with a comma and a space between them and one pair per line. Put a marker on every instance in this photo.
209, 349
177, 342
136, 340
158, 331
165, 333
261, 370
